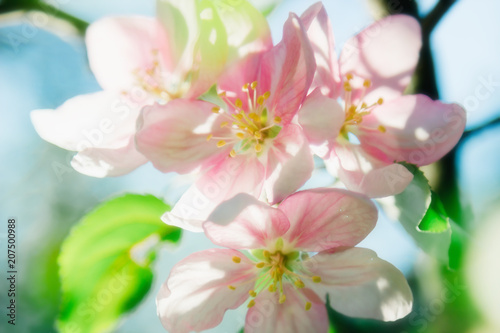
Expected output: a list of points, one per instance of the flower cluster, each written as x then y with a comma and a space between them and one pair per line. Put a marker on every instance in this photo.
202, 89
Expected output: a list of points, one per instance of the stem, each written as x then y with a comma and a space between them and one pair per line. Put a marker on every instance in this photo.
437, 13
27, 5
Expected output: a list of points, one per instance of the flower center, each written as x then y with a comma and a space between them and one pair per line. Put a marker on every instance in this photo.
354, 113
250, 125
158, 83
276, 269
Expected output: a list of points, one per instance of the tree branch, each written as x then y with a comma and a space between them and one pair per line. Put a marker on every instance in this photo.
436, 14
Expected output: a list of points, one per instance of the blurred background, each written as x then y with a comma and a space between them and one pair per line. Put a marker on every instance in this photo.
43, 63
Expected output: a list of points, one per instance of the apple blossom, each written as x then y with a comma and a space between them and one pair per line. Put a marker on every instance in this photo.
380, 126
270, 259
246, 139
141, 60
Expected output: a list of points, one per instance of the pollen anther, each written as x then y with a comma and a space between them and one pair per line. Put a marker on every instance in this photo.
316, 279
308, 306
236, 259
238, 103
299, 284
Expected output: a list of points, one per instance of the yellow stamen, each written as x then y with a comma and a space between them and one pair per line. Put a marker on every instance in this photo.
254, 116
254, 85
221, 143
347, 86
232, 153
260, 100
382, 129
245, 87
316, 279
282, 299
260, 264
367, 83
224, 124
299, 284
258, 135
267, 94
272, 288
252, 293
380, 101
363, 106
215, 109
349, 76
266, 253
209, 137
231, 287
222, 94
258, 148
238, 103
236, 259
251, 303
240, 135
352, 108
277, 120
308, 306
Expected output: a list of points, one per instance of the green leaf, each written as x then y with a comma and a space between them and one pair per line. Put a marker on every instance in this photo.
105, 263
211, 96
265, 6
422, 215
435, 219
273, 132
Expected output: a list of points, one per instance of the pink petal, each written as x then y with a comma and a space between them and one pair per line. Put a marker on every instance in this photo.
319, 31
104, 162
240, 73
244, 222
100, 126
196, 294
365, 174
174, 136
322, 219
417, 129
290, 317
360, 284
386, 53
118, 46
321, 119
289, 164
240, 174
287, 70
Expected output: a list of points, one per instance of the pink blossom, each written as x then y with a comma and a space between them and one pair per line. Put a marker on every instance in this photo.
374, 69
139, 61
269, 259
247, 140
